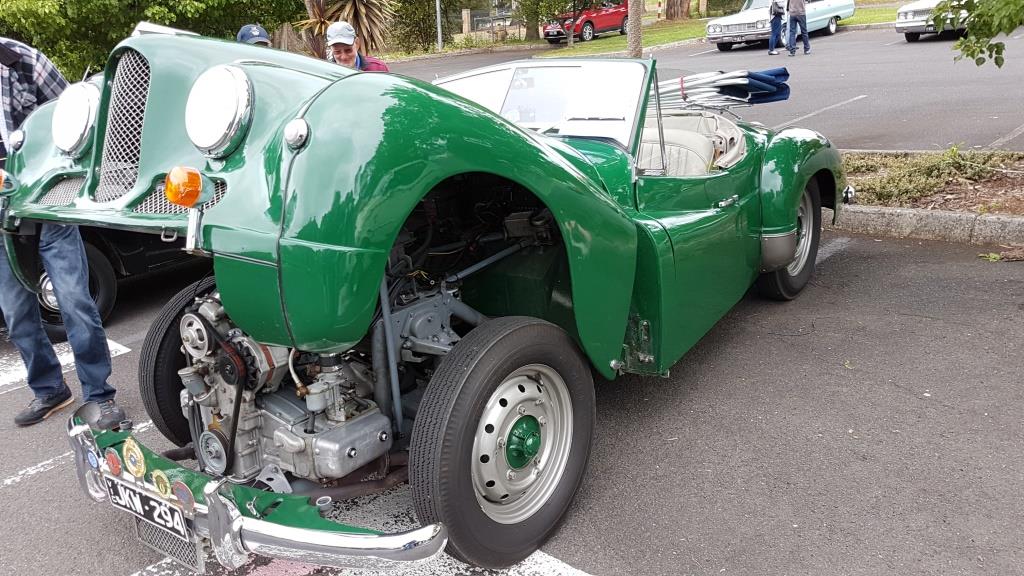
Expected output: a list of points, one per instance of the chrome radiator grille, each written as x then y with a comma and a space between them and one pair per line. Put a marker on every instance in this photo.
123, 140
174, 548
157, 203
739, 27
63, 192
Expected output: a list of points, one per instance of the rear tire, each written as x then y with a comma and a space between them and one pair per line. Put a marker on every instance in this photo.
833, 25
787, 282
160, 360
502, 439
625, 21
912, 36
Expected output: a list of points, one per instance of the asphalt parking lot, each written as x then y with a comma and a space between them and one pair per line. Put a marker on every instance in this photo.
871, 426
864, 89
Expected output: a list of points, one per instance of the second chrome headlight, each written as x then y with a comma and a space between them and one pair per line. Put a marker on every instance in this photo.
218, 110
74, 116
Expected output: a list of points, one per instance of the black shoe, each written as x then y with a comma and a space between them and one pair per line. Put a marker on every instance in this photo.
792, 53
40, 409
111, 415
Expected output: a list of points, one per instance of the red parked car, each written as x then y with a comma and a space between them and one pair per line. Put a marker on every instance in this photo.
597, 17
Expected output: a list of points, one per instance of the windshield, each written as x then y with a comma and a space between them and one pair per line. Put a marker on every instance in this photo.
567, 99
752, 4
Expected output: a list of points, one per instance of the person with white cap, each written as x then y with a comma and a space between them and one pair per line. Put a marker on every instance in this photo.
343, 48
253, 34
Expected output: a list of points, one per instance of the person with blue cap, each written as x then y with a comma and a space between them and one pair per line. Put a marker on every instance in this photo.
253, 34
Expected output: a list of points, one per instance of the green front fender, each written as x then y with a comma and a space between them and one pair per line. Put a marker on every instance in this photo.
791, 158
377, 145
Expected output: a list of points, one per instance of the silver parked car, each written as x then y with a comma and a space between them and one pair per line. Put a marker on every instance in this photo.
915, 19
751, 23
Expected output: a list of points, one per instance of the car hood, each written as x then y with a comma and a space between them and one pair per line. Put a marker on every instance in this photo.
742, 17
919, 5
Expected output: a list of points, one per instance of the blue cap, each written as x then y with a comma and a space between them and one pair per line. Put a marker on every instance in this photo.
253, 34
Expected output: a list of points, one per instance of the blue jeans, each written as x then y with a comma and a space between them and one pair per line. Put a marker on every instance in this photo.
795, 21
773, 40
63, 256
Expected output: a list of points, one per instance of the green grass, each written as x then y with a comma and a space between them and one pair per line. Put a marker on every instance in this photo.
897, 179
873, 15
654, 35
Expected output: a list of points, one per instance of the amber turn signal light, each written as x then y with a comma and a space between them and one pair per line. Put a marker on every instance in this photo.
183, 186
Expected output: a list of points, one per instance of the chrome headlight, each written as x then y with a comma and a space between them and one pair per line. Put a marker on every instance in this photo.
218, 110
715, 28
762, 23
73, 118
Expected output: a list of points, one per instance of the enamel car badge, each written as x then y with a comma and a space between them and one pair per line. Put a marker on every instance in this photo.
162, 484
113, 461
134, 461
94, 462
184, 496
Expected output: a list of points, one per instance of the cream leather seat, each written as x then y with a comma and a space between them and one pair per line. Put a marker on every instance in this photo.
687, 153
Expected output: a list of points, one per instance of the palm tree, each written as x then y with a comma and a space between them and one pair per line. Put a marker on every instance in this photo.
370, 18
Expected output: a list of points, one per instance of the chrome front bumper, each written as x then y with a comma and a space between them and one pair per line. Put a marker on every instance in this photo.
234, 536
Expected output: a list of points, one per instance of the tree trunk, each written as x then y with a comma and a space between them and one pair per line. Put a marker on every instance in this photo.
703, 8
686, 9
674, 10
533, 27
634, 40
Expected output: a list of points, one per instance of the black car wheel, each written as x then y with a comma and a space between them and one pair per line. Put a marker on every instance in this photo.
833, 25
102, 288
553, 40
625, 21
502, 439
724, 46
587, 33
785, 283
912, 36
160, 360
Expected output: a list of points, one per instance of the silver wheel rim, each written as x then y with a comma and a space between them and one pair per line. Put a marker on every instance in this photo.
505, 493
588, 33
804, 233
832, 26
47, 297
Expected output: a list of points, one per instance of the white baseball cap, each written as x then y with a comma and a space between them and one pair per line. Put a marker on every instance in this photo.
342, 32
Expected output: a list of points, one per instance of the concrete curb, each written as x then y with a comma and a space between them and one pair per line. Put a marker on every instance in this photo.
874, 26
484, 50
961, 227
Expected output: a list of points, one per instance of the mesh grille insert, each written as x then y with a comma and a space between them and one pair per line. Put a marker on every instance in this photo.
157, 203
125, 116
63, 192
171, 546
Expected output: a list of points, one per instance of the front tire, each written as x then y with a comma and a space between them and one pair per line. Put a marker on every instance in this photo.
587, 33
102, 288
502, 439
912, 36
787, 282
724, 46
160, 360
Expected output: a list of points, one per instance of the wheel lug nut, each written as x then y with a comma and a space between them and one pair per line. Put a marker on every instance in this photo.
501, 442
542, 420
511, 474
521, 410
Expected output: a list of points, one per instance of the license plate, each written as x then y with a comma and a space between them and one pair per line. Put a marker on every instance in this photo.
153, 510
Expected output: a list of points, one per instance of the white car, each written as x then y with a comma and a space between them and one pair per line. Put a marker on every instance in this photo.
915, 19
752, 24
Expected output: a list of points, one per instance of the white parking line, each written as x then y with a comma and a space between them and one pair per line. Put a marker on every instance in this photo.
816, 112
706, 52
896, 42
1016, 132
55, 462
13, 372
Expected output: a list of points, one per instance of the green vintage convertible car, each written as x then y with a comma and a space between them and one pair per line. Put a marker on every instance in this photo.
411, 281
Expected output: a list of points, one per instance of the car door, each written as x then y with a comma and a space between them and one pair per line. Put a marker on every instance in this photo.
711, 221
817, 14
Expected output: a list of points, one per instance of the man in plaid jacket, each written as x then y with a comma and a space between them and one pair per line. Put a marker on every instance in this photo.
27, 80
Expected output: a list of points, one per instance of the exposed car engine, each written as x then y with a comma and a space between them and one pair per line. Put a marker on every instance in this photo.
269, 413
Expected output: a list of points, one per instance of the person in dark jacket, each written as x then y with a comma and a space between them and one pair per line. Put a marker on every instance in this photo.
27, 80
343, 48
797, 17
